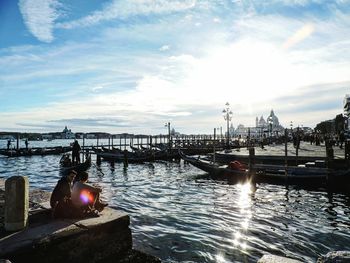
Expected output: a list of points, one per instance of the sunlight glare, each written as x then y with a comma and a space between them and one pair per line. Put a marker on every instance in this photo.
220, 258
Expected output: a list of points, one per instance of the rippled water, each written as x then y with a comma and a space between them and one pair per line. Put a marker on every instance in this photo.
179, 214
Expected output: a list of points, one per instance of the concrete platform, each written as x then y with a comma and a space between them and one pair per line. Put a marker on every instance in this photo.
69, 240
104, 239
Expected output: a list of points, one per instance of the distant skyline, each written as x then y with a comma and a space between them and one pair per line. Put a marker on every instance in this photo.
132, 66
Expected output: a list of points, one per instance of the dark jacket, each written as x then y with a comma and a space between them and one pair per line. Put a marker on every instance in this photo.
61, 190
76, 148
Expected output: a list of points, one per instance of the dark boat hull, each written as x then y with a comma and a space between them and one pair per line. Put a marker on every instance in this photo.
78, 168
277, 174
216, 171
36, 151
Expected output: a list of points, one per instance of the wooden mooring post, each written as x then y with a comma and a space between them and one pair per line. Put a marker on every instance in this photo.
285, 151
18, 141
214, 146
83, 147
330, 155
251, 161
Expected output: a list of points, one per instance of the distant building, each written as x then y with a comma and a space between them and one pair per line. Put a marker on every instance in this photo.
7, 137
90, 136
47, 136
67, 134
270, 126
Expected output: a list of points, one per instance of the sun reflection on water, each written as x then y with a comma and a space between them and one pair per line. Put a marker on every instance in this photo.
244, 202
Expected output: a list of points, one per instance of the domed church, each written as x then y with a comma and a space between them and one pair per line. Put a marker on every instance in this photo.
272, 120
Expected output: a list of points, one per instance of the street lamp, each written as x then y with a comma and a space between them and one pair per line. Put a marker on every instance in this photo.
169, 135
270, 121
227, 114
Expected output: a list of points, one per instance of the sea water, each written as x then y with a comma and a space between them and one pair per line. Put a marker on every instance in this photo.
179, 214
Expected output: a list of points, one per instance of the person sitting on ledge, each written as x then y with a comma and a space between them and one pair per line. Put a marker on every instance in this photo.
60, 200
86, 197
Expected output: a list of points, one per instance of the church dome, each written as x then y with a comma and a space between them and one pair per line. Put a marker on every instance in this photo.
273, 117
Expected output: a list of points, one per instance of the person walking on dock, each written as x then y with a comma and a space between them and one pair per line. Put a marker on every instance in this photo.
76, 152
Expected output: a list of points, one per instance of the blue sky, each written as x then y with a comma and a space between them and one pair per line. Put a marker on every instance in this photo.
131, 66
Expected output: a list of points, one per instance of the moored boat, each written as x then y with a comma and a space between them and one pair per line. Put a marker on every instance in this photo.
35, 151
277, 174
217, 171
66, 165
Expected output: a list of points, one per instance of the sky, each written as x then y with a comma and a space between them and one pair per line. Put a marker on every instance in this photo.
134, 65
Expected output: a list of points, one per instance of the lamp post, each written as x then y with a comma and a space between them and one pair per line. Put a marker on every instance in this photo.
169, 135
227, 114
270, 121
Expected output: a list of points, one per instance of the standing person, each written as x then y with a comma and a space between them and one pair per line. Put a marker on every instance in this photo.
86, 197
76, 152
8, 144
26, 143
60, 200
341, 139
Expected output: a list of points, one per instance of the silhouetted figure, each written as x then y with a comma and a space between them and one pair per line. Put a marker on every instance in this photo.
317, 140
295, 140
60, 200
26, 143
341, 139
8, 144
125, 159
85, 197
76, 152
312, 139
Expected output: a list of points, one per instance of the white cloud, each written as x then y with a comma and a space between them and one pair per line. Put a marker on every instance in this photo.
124, 9
164, 48
39, 17
242, 62
96, 88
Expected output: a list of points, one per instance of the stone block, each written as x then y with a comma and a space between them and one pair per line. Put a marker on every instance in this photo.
16, 203
335, 256
70, 240
277, 259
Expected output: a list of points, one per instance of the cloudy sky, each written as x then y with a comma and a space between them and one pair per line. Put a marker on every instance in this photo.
134, 65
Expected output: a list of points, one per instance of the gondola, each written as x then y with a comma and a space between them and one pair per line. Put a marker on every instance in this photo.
139, 156
217, 171
66, 166
276, 174
129, 156
35, 151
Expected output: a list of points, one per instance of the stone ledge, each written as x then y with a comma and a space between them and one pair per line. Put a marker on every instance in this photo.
277, 259
335, 256
69, 239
